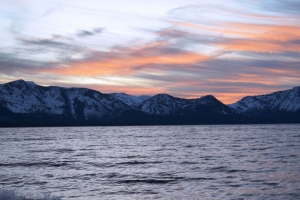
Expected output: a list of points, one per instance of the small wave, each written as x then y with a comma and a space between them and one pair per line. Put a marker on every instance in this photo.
198, 179
49, 175
101, 165
138, 163
165, 180
189, 146
16, 183
235, 185
114, 175
260, 149
34, 164
255, 180
297, 136
271, 183
218, 169
128, 157
188, 163
37, 139
39, 151
225, 169
291, 145
78, 177
63, 150
93, 145
37, 183
235, 170
207, 157
144, 136
149, 181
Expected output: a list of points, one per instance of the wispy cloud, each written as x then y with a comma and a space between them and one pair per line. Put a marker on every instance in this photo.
287, 6
228, 50
85, 33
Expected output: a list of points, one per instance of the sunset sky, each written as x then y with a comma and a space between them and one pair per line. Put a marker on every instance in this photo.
185, 48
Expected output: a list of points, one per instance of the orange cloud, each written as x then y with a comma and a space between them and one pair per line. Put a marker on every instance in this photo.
281, 33
120, 64
271, 39
233, 37
259, 46
261, 38
247, 78
132, 90
228, 97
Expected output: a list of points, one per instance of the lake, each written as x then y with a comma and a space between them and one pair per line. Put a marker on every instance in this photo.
153, 162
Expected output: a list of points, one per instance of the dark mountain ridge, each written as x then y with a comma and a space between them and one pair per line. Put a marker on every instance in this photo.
24, 103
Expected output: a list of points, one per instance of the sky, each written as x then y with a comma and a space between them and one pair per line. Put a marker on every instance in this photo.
185, 48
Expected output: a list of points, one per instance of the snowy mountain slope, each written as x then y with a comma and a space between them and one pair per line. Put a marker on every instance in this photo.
282, 101
213, 104
164, 104
130, 100
23, 103
26, 97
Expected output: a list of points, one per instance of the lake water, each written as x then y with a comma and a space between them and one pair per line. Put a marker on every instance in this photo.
153, 162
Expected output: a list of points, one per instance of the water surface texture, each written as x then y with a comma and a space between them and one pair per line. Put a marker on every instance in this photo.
153, 162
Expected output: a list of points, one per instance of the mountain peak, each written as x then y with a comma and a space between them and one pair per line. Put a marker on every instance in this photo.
281, 101
21, 82
119, 93
30, 82
82, 104
18, 81
208, 97
209, 100
162, 94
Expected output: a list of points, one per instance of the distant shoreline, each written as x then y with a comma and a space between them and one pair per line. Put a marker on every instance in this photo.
70, 126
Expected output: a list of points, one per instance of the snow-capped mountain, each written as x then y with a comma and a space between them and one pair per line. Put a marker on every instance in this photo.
27, 97
24, 103
164, 104
269, 104
130, 100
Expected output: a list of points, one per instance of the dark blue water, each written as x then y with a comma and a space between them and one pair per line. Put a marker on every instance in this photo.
153, 162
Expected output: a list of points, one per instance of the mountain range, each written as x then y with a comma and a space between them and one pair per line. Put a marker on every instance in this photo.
24, 103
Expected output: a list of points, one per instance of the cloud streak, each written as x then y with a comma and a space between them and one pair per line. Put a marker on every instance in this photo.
85, 33
226, 51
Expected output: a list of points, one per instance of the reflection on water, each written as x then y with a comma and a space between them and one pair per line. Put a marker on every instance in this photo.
150, 162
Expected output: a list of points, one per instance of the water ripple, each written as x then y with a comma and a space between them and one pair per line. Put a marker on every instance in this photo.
157, 162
